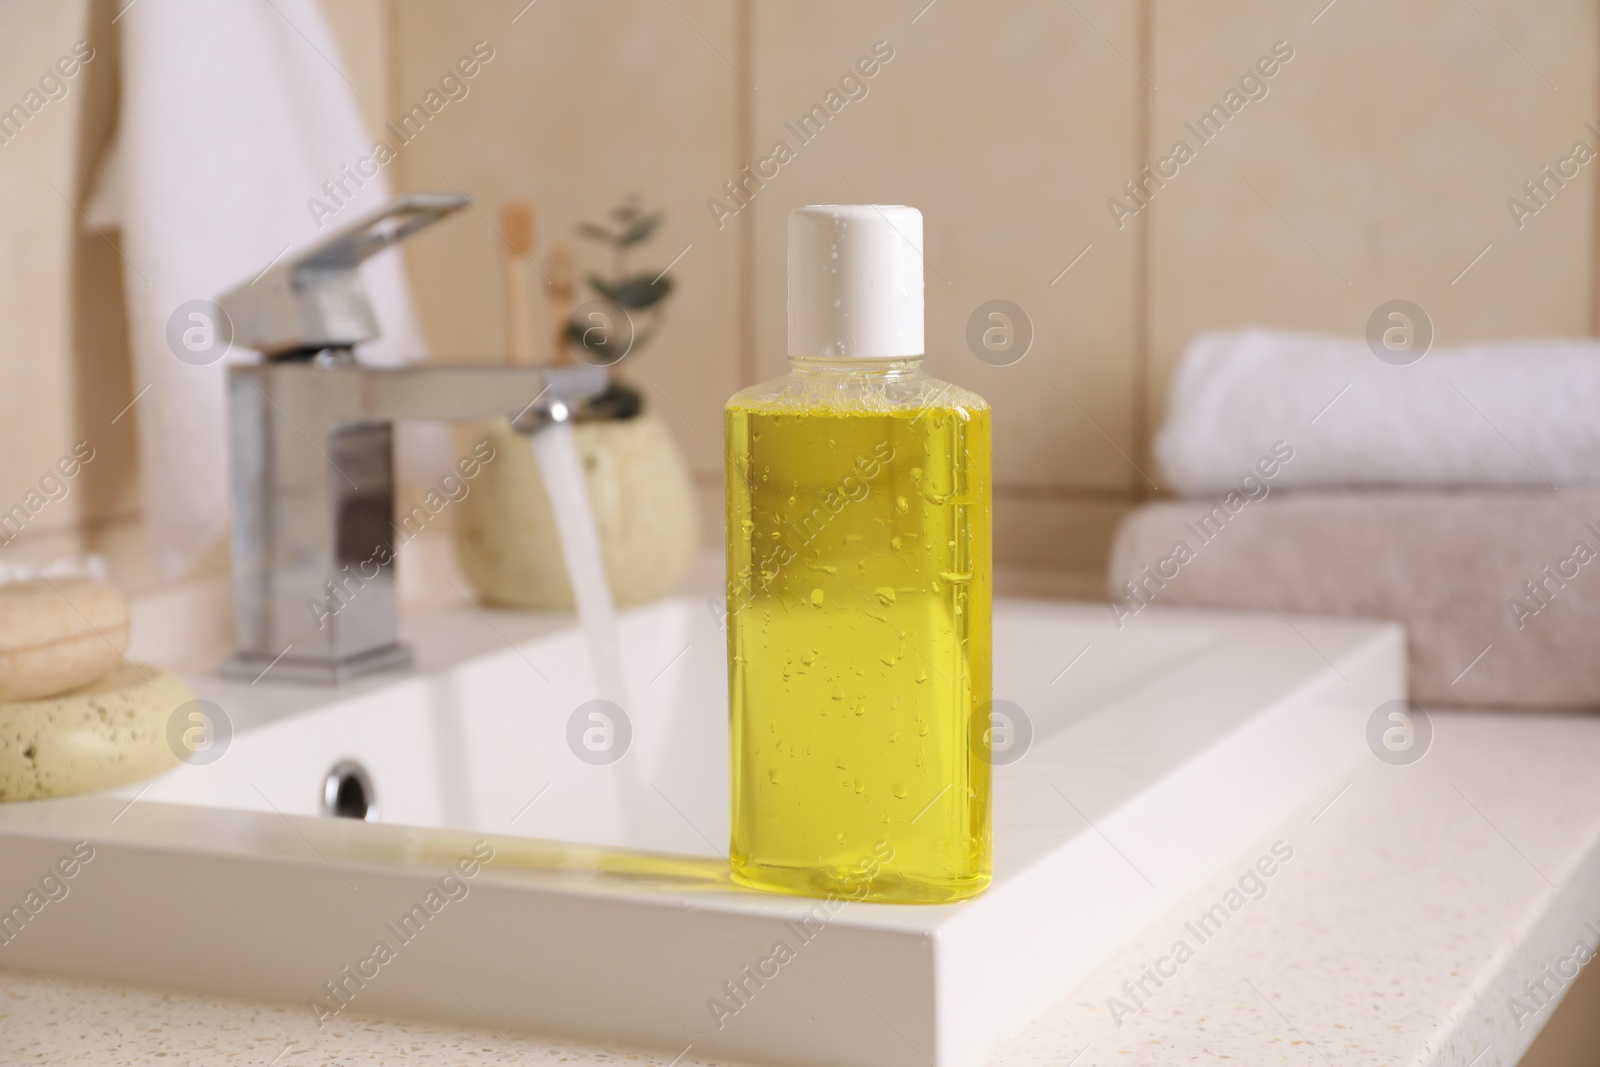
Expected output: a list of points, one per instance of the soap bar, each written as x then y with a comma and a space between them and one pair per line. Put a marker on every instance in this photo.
58, 634
107, 733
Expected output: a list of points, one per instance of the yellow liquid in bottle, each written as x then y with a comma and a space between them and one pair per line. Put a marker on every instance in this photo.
859, 641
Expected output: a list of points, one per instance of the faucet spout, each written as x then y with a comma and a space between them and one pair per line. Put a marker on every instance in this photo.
310, 457
314, 530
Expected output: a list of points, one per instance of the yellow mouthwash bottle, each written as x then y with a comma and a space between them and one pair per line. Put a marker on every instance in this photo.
859, 587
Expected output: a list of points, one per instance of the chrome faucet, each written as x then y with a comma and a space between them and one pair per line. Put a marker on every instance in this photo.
310, 457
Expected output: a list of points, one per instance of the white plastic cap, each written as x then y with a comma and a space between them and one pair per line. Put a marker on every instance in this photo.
855, 281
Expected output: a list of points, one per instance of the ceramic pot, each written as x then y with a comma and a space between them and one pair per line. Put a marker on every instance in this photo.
644, 508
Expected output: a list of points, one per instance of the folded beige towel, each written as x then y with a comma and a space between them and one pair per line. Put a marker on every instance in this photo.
1499, 591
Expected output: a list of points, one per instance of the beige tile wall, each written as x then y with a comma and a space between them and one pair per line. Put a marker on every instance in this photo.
1009, 196
63, 367
681, 98
362, 28
37, 170
582, 105
1377, 166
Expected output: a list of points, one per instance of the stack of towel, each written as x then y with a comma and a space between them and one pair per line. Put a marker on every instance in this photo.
1459, 495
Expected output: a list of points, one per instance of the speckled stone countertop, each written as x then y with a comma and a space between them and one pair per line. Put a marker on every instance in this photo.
1417, 903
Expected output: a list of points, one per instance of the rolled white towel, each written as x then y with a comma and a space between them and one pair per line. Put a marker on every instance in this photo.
1511, 413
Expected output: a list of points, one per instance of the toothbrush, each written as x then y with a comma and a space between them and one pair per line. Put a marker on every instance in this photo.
516, 225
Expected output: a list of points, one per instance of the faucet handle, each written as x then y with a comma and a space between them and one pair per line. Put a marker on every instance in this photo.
375, 231
314, 298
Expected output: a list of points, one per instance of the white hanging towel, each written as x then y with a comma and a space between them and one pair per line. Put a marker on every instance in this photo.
234, 115
1506, 413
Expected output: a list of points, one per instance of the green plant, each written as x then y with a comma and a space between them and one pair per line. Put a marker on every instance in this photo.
641, 295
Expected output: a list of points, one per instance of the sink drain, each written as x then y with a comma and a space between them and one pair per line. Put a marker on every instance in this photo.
348, 793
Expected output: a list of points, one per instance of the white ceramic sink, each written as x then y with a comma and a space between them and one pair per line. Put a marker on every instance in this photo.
606, 913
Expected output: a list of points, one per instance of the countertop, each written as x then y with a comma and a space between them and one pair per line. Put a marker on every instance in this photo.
1418, 901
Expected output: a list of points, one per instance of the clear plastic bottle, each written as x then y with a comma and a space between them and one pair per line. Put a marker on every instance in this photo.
859, 587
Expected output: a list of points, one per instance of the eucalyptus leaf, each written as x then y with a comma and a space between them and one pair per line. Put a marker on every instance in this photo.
635, 293
597, 344
631, 293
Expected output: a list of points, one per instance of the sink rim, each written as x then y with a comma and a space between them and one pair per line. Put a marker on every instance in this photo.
957, 978
121, 816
